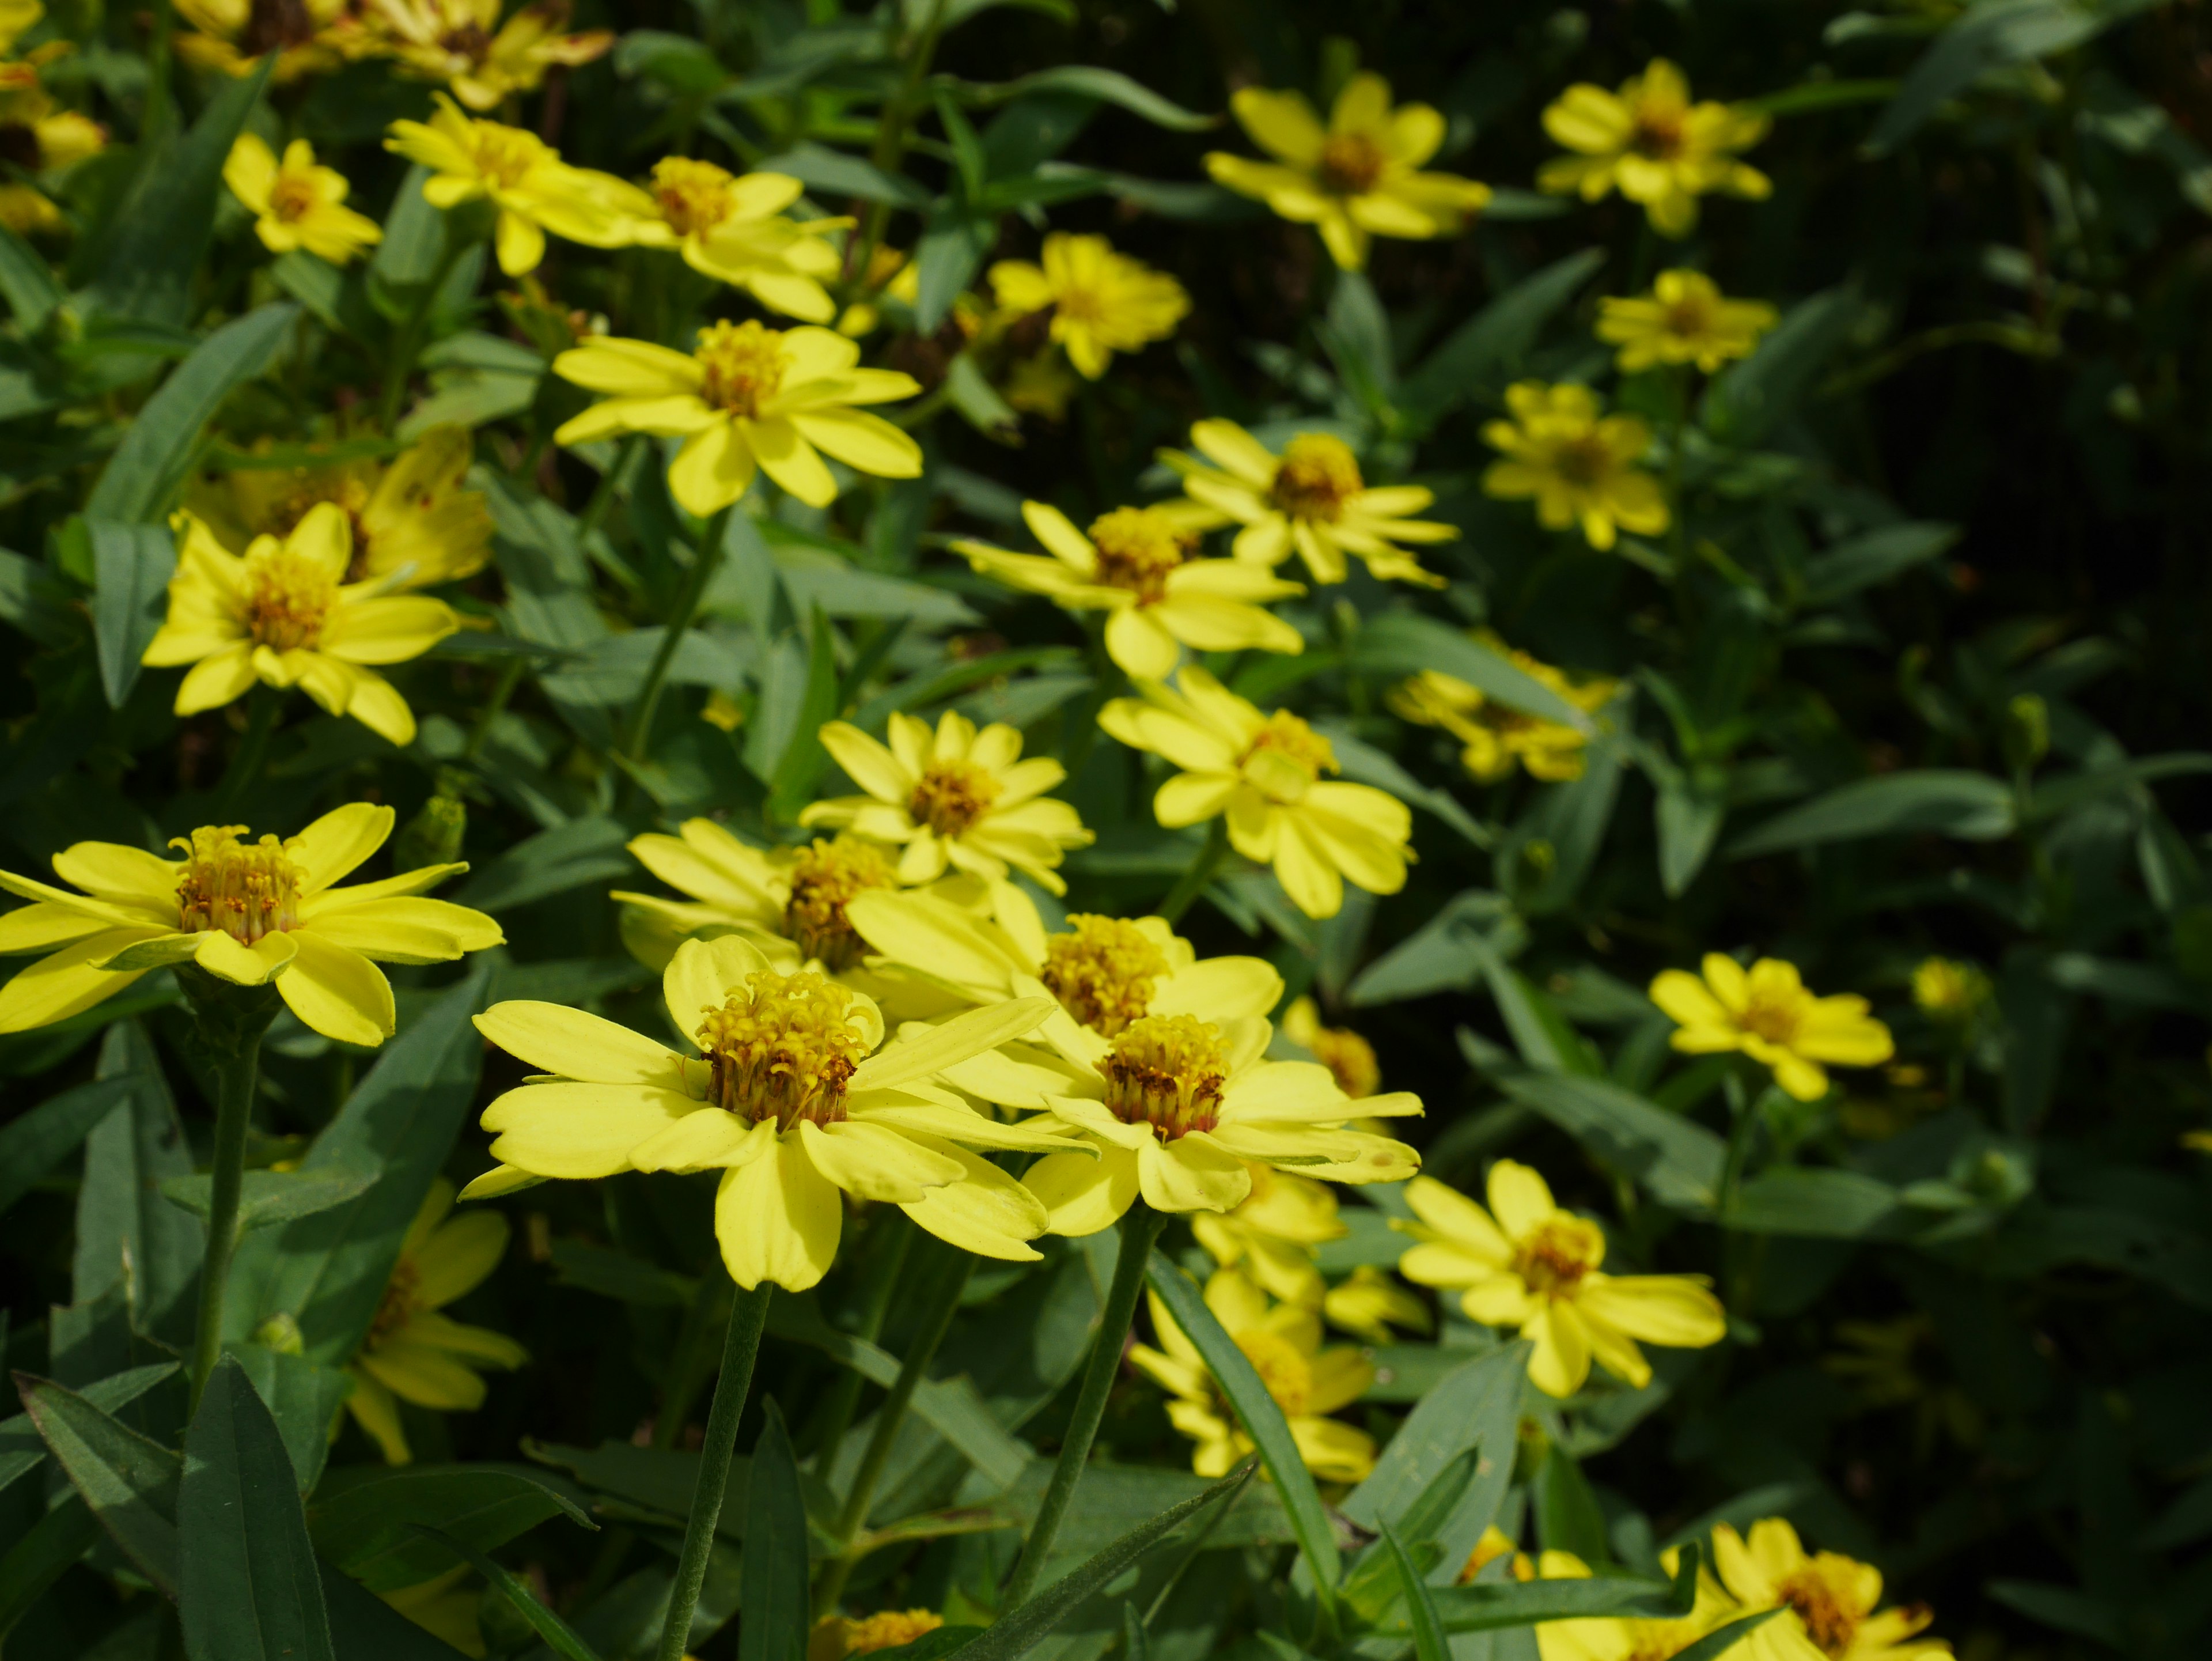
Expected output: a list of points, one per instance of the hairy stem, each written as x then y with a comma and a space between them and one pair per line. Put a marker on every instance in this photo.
233, 1019
703, 564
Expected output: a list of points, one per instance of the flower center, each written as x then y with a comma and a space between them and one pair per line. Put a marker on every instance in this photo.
1583, 460
292, 197
781, 1048
1101, 972
1166, 1071
1691, 317
397, 1307
504, 155
1820, 1593
694, 196
1137, 548
1658, 134
244, 890
744, 364
469, 43
951, 796
1318, 476
272, 25
1351, 162
1287, 736
1774, 1020
287, 597
824, 878
1350, 1060
1286, 1373
1554, 1257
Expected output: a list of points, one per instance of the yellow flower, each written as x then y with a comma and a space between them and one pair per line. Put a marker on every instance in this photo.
1497, 737
745, 397
794, 1096
296, 204
1654, 146
1265, 773
837, 1636
1684, 319
463, 43
34, 134
1349, 1057
890, 272
1272, 1233
309, 36
416, 523
1527, 1264
1948, 992
1830, 1601
524, 178
1283, 1343
1310, 499
1368, 1303
732, 229
1579, 466
1040, 384
246, 912
1356, 178
957, 798
1623, 1638
1137, 566
413, 1354
1767, 1013
1100, 303
283, 613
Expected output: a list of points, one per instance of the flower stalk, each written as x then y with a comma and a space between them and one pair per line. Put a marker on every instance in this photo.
704, 564
1189, 885
231, 1020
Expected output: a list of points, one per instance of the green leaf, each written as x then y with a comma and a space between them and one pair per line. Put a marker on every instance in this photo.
1403, 642
1262, 1419
1678, 1159
1117, 1497
133, 563
560, 1637
774, 1598
27, 283
121, 1218
1816, 1202
128, 1480
43, 1556
33, 599
33, 1143
149, 465
1567, 1514
1495, 1608
835, 173
1720, 1640
954, 239
1752, 397
803, 761
248, 1585
1421, 1613
1088, 81
359, 1518
1449, 952
364, 1628
1474, 1411
1477, 357
568, 856
303, 1397
1988, 36
1949, 801
22, 1448
1874, 557
2064, 1610
268, 1197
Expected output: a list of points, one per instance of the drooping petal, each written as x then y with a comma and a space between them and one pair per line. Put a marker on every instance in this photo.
778, 1219
338, 992
1083, 1195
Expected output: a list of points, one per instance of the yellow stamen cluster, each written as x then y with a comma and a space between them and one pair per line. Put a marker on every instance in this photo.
1286, 1373
286, 599
693, 195
1101, 970
504, 155
275, 26
1137, 548
1821, 1593
824, 878
1166, 1071
244, 890
1773, 1019
1349, 1058
743, 363
292, 196
1351, 162
1562, 1250
1319, 474
1287, 735
782, 1048
951, 796
1658, 133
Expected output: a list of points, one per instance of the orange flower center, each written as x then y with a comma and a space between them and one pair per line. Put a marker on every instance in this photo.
292, 197
1774, 1020
1166, 1071
952, 797
1103, 971
1286, 735
1658, 134
397, 1307
694, 196
274, 25
1137, 548
246, 891
1351, 162
744, 364
1820, 1591
286, 599
782, 1047
1583, 460
1553, 1257
1319, 475
1349, 1058
823, 879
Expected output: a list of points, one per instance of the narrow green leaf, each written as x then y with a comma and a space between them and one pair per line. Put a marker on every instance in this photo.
775, 1598
303, 1397
364, 1628
128, 1479
1427, 1624
1087, 81
1482, 351
22, 1450
803, 761
27, 283
560, 1637
1678, 1159
1135, 1646
267, 1197
1947, 800
1494, 1608
122, 1223
58, 1539
1402, 642
359, 1519
1984, 38
1567, 1514
133, 564
1812, 1202
33, 1143
1721, 1639
1874, 557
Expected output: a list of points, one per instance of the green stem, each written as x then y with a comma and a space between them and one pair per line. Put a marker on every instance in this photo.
748, 1317
1140, 1230
703, 562
154, 115
1189, 885
252, 750
236, 1074
1678, 517
688, 1370
510, 677
891, 135
616, 477
936, 1321
407, 345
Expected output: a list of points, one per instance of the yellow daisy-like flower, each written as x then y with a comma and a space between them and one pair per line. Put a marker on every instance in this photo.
1349, 1057
1100, 303
1684, 319
793, 1095
745, 397
1653, 145
1580, 465
1358, 177
1283, 1343
1369, 1303
1139, 566
955, 799
283, 614
1497, 737
1830, 1601
416, 523
1272, 1234
1526, 1264
1265, 773
249, 913
1310, 499
837, 1636
524, 178
35, 134
1622, 1638
1767, 1013
413, 1354
484, 62
1948, 992
309, 36
296, 204
732, 228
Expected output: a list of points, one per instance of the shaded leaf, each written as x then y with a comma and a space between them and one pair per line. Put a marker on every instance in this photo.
1950, 801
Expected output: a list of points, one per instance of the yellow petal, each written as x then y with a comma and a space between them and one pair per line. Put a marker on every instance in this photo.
554, 1038
706, 1140
1082, 1195
338, 992
579, 1130
459, 1257
778, 1220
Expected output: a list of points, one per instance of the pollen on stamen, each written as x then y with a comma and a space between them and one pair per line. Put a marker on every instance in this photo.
823, 879
693, 195
952, 797
287, 597
1318, 476
782, 1047
1103, 970
744, 364
1137, 548
245, 890
1166, 1071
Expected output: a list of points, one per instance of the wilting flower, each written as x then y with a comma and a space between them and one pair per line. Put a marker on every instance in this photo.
837, 1636
463, 43
957, 799
1684, 319
1310, 499
416, 523
1626, 1638
1265, 773
793, 1095
295, 203
1272, 1233
1948, 992
524, 178
282, 613
1100, 302
412, 1351
1829, 1600
1767, 1013
745, 397
1579, 466
732, 229
309, 36
1649, 143
1497, 737
1357, 177
1349, 1057
1139, 566
34, 133
1526, 1264
1283, 1343
249, 913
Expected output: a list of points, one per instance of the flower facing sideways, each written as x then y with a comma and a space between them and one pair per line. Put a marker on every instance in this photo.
1765, 1013
1496, 737
791, 1093
1653, 145
1684, 319
1579, 466
463, 43
249, 913
415, 1354
1100, 302
732, 229
295, 203
1137, 566
1526, 1264
1829, 1600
